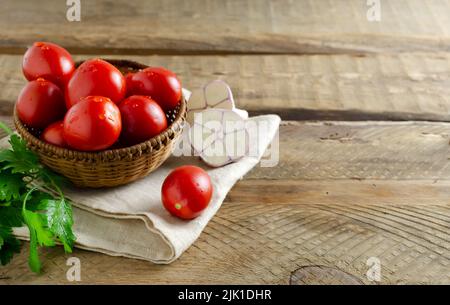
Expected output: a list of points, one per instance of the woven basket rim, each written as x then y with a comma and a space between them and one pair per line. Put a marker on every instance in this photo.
118, 62
154, 144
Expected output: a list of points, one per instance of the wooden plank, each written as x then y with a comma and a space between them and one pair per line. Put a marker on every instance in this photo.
322, 275
224, 27
329, 203
334, 191
407, 86
407, 151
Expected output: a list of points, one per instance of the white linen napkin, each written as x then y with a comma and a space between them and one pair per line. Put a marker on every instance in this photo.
131, 221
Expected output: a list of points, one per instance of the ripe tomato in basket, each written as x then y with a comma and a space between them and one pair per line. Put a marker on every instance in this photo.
40, 103
54, 134
142, 119
49, 61
128, 82
186, 192
92, 124
95, 77
160, 84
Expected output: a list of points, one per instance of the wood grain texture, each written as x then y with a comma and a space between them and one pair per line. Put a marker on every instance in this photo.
203, 26
361, 151
407, 86
342, 193
322, 275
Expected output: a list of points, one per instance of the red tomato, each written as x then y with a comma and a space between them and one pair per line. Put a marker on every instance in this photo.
49, 61
142, 119
53, 134
128, 82
92, 124
160, 84
186, 192
40, 103
95, 77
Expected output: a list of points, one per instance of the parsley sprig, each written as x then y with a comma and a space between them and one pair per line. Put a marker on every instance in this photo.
31, 195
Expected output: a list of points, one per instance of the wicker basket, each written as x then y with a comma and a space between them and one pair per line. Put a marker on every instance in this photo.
110, 167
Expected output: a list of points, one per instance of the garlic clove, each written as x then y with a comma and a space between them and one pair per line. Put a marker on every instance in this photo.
241, 112
186, 93
219, 137
215, 94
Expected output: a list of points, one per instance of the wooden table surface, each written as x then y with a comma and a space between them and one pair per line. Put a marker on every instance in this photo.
364, 143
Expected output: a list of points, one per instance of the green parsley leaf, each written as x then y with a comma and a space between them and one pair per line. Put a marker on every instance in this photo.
11, 216
8, 245
10, 185
39, 236
31, 193
20, 159
37, 223
59, 221
4, 232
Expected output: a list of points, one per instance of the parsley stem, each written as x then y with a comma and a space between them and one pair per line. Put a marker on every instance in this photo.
53, 183
6, 128
26, 197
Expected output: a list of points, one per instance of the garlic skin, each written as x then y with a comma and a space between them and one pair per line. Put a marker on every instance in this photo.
214, 95
219, 137
186, 93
